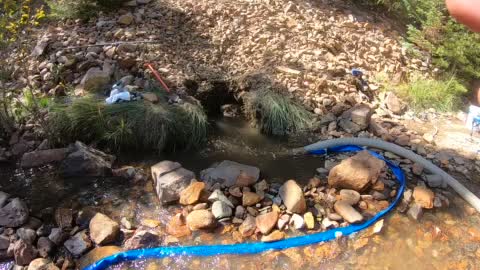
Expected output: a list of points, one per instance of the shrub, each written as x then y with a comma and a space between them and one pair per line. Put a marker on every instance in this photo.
274, 113
442, 95
81, 9
137, 125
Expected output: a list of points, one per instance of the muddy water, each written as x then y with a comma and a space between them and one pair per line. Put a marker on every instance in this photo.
444, 239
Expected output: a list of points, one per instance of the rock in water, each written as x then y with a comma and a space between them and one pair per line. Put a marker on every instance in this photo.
221, 210
250, 198
170, 179
24, 252
192, 193
292, 197
347, 212
357, 172
266, 222
415, 212
227, 172
142, 239
247, 228
43, 157
97, 254
423, 197
177, 226
14, 213
200, 219
274, 236
42, 264
86, 161
78, 244
103, 230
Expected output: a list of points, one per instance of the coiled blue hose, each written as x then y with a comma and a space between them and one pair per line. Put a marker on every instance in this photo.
259, 247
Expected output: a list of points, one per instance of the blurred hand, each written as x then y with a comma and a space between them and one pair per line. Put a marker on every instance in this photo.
466, 12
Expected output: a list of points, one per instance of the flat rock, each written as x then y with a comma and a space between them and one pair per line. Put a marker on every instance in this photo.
347, 212
292, 197
97, 254
200, 219
357, 172
266, 222
274, 236
142, 239
226, 173
169, 180
86, 161
14, 214
177, 226
103, 230
349, 196
43, 157
192, 193
245, 180
78, 244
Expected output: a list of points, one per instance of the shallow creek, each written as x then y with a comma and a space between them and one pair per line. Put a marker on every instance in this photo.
443, 239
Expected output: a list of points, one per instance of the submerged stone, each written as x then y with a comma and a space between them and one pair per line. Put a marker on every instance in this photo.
227, 172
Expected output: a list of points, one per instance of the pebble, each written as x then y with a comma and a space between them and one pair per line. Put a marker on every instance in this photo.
297, 222
347, 212
221, 210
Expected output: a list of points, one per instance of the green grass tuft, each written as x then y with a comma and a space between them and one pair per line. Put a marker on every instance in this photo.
275, 114
131, 125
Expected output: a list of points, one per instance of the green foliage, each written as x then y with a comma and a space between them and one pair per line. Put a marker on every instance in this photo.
16, 15
137, 125
81, 9
275, 114
442, 95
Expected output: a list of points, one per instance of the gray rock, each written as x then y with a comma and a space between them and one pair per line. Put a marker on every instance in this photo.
57, 236
27, 235
4, 242
43, 157
41, 46
226, 173
86, 161
435, 181
33, 223
45, 246
347, 212
221, 210
3, 198
95, 79
14, 214
217, 195
170, 179
415, 212
78, 244
239, 211
24, 252
356, 119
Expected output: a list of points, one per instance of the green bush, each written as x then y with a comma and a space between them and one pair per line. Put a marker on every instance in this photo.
131, 125
442, 95
81, 9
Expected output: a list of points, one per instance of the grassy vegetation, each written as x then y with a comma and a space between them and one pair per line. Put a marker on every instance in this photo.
442, 95
81, 9
132, 125
275, 114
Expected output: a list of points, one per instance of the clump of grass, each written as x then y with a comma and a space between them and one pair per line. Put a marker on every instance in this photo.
442, 95
137, 125
275, 114
81, 9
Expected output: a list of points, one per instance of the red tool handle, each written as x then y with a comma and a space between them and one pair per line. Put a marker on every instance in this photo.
157, 76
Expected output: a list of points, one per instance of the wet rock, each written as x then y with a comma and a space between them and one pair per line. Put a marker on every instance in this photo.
14, 213
177, 226
347, 212
217, 195
349, 196
221, 210
45, 246
24, 252
86, 161
192, 193
103, 230
394, 104
4, 242
357, 172
274, 236
309, 220
292, 197
250, 198
200, 219
423, 197
297, 222
78, 244
170, 179
248, 226
245, 180
97, 254
57, 236
64, 217
27, 235
226, 173
43, 157
415, 212
266, 222
142, 239
95, 79
42, 264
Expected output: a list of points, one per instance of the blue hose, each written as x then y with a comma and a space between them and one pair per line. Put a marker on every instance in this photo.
259, 247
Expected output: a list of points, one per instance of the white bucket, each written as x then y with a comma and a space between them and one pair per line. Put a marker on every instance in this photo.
473, 111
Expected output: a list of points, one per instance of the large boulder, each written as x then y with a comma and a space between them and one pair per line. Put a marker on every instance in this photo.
14, 213
95, 79
292, 197
103, 230
43, 157
170, 179
357, 172
227, 172
86, 161
97, 254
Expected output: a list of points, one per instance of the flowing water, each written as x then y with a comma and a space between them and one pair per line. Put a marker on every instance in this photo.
448, 238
